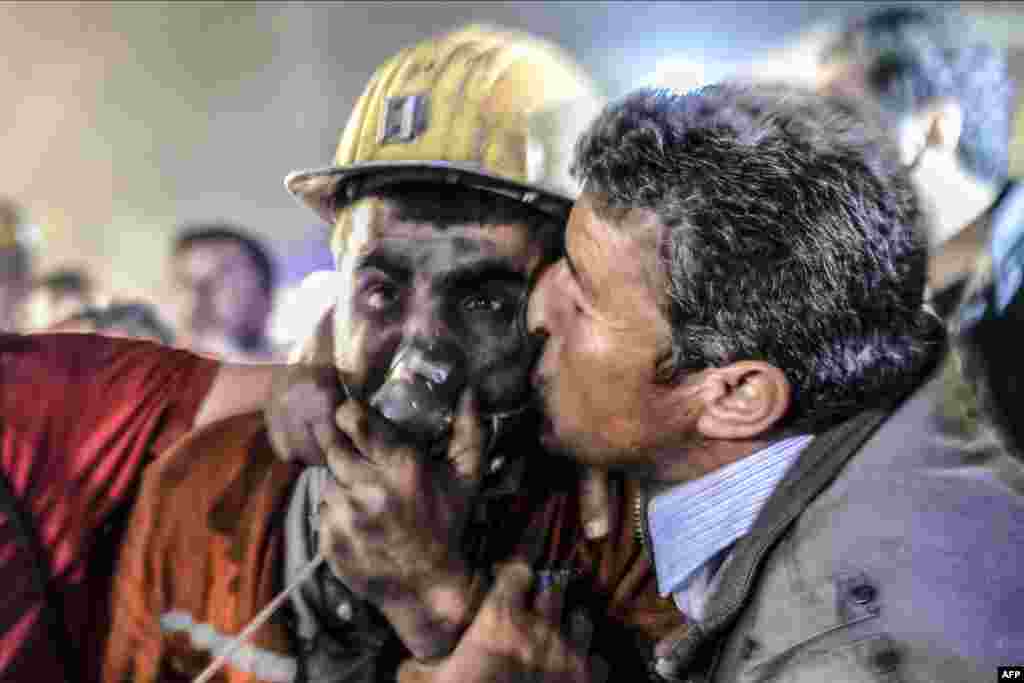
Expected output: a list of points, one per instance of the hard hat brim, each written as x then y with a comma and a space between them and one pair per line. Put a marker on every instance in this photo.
328, 189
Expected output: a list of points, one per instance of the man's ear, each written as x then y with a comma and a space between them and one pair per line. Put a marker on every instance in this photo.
743, 401
935, 128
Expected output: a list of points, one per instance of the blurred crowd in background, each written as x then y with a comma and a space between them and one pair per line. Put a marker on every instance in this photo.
223, 278
827, 253
221, 282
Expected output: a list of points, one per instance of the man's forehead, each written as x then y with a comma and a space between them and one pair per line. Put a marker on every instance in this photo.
378, 225
620, 246
206, 257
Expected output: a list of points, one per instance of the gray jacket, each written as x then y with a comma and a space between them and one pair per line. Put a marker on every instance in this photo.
889, 552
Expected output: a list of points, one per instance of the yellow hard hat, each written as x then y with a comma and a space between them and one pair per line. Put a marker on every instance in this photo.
489, 108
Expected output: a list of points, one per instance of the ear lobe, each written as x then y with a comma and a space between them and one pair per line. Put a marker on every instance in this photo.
937, 126
744, 401
946, 123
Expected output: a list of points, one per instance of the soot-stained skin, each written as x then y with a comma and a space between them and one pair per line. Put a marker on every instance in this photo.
460, 285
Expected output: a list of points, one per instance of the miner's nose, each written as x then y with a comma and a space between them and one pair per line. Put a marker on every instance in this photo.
426, 321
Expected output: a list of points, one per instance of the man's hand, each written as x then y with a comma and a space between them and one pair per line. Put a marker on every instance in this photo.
302, 403
392, 520
302, 396
510, 641
597, 503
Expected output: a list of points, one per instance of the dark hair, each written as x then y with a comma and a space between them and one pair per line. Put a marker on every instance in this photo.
14, 262
134, 318
913, 54
789, 233
67, 281
198, 235
444, 205
14, 257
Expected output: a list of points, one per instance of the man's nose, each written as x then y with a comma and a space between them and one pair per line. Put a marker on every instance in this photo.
542, 311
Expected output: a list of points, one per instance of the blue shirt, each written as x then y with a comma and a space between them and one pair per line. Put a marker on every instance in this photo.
693, 525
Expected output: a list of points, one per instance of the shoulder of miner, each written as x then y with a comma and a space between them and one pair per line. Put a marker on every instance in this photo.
200, 559
343, 638
610, 582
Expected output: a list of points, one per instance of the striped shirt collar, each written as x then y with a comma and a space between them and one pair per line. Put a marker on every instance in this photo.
693, 522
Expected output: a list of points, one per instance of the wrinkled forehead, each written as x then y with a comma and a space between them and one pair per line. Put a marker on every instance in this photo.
842, 77
377, 226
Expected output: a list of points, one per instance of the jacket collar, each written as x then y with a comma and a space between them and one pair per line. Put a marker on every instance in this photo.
816, 467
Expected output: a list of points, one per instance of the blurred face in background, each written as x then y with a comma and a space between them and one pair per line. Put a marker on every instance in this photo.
14, 287
133, 320
48, 307
218, 294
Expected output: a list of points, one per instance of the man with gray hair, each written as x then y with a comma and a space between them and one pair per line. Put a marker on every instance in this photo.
739, 326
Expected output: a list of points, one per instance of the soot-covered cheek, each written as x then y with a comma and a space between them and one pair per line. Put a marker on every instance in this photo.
498, 362
364, 345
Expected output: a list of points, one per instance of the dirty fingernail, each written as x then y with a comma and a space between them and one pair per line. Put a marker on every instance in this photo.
596, 528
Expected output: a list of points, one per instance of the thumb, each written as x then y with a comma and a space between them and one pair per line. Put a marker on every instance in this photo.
511, 587
595, 503
466, 448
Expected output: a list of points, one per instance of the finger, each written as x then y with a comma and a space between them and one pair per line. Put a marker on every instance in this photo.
341, 503
370, 504
414, 671
595, 503
307, 447
551, 595
466, 449
279, 433
294, 403
332, 537
330, 439
581, 630
347, 465
352, 419
511, 587
314, 403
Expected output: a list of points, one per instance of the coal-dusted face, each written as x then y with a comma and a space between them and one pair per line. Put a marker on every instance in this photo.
435, 300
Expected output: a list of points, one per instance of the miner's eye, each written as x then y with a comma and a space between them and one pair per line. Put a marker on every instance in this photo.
381, 296
487, 303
